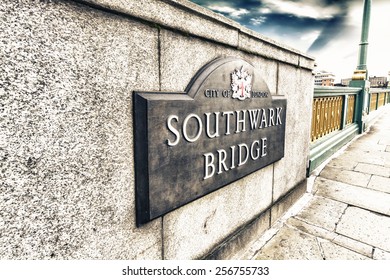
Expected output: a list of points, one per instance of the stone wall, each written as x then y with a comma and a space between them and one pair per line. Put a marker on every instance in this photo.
68, 70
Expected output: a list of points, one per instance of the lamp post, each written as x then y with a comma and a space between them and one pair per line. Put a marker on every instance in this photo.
362, 62
360, 75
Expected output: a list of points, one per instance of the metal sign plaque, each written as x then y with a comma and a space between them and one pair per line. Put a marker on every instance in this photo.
224, 127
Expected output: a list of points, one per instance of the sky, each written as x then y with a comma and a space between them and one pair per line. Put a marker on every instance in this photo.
328, 30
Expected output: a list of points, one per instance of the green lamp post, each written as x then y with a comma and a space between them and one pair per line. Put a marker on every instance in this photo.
360, 75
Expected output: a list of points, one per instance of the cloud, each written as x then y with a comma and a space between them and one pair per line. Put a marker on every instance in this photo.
265, 10
231, 12
307, 9
310, 36
332, 29
258, 20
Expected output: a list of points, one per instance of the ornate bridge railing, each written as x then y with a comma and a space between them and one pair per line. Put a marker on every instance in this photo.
326, 116
333, 121
378, 97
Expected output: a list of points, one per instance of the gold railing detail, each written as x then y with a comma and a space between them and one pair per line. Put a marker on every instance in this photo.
381, 101
326, 116
379, 98
343, 109
374, 97
350, 109
334, 108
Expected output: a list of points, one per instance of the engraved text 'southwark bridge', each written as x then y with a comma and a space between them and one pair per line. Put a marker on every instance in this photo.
223, 128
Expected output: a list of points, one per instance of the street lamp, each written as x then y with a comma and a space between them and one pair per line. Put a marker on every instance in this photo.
360, 76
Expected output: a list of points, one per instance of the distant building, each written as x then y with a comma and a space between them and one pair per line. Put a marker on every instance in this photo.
378, 82
345, 82
324, 78
388, 84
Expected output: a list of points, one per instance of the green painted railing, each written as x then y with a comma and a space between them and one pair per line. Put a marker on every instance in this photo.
333, 109
378, 97
336, 119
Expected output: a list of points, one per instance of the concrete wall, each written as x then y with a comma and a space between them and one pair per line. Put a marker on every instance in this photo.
67, 73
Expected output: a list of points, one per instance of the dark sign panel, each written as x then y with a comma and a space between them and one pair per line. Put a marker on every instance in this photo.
224, 127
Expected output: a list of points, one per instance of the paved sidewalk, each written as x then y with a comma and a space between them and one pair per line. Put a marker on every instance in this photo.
347, 214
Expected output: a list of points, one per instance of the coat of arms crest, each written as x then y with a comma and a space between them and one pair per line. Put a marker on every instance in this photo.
241, 84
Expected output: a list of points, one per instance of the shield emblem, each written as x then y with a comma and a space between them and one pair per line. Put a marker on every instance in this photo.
241, 84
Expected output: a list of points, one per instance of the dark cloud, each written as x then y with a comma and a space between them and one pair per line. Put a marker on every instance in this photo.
333, 27
342, 3
246, 4
275, 23
287, 26
331, 30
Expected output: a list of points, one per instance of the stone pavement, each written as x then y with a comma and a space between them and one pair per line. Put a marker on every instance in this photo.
346, 214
